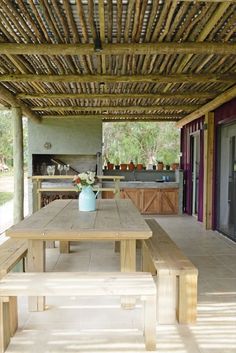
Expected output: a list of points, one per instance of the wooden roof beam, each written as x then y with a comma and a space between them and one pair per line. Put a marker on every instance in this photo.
174, 95
177, 78
9, 98
168, 117
125, 119
174, 107
119, 48
230, 1
215, 103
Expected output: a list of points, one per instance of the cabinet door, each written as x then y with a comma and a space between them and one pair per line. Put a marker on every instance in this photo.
133, 195
168, 201
150, 201
108, 195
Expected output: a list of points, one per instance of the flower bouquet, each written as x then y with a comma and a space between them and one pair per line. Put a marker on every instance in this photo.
87, 198
84, 179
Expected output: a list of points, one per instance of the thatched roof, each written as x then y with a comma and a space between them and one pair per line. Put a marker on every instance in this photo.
119, 59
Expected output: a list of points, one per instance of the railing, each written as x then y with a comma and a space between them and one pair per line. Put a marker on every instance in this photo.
38, 179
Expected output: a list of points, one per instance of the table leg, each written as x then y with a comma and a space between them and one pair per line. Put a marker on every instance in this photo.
64, 247
128, 264
36, 263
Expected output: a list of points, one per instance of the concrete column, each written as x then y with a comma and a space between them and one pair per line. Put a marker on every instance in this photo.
18, 162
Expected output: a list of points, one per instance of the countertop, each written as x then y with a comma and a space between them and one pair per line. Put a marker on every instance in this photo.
144, 184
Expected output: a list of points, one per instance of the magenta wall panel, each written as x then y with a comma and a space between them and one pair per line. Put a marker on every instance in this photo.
186, 165
223, 115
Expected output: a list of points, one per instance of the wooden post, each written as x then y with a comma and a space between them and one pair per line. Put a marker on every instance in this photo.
36, 263
128, 264
18, 161
4, 324
187, 308
208, 169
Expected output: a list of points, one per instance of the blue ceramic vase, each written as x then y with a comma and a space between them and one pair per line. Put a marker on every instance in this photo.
87, 199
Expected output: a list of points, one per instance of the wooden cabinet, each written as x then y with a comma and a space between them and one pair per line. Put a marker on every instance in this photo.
131, 194
169, 201
151, 201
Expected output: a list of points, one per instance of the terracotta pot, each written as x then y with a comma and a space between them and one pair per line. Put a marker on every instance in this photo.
131, 166
110, 166
160, 166
139, 166
175, 166
123, 166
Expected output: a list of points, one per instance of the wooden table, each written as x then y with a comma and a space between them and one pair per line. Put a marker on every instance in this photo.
114, 220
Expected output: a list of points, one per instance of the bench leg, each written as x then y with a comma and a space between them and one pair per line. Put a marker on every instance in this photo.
117, 246
36, 263
50, 244
64, 247
150, 323
4, 324
187, 310
13, 315
166, 298
147, 264
128, 264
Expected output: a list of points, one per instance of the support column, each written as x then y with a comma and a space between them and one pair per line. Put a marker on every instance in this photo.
18, 163
208, 169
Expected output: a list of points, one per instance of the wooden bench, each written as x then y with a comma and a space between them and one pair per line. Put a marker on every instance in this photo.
176, 277
11, 253
136, 284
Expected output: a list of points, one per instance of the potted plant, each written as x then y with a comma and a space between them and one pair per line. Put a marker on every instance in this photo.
139, 166
131, 166
160, 166
110, 166
117, 164
175, 166
123, 166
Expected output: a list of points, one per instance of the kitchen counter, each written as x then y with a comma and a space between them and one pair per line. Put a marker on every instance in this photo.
144, 184
151, 197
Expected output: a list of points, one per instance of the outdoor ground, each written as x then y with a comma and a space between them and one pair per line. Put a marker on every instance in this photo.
85, 325
6, 210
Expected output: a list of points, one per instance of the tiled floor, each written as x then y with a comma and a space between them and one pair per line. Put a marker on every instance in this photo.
87, 325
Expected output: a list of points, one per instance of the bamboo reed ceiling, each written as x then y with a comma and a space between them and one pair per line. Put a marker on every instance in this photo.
116, 59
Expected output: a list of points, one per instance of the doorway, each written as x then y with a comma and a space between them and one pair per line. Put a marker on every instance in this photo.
195, 153
226, 205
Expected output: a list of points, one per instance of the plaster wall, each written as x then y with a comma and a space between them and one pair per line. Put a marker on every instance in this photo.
80, 137
66, 136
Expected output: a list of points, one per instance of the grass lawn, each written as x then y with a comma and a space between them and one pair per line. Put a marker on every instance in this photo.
8, 173
5, 196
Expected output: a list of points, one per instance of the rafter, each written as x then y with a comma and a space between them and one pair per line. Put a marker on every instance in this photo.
117, 108
119, 48
111, 117
181, 95
14, 102
178, 78
215, 103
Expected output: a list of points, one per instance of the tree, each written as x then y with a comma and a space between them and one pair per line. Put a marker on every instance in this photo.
6, 144
6, 138
144, 142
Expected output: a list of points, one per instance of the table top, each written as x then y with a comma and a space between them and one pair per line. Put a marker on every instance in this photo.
61, 220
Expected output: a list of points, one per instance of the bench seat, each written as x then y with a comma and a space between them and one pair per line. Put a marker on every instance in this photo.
11, 253
137, 284
176, 277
